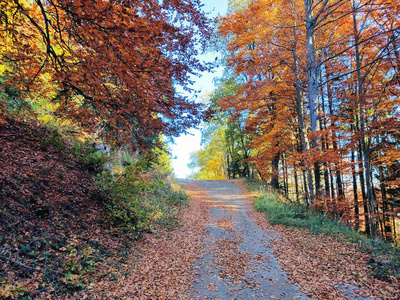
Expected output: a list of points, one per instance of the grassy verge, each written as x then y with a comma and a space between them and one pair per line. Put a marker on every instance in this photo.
297, 215
384, 257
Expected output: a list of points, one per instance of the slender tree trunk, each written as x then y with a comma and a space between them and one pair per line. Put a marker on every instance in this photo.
296, 184
228, 166
306, 198
364, 146
331, 180
325, 145
364, 194
340, 185
394, 229
388, 234
313, 70
286, 174
312, 66
335, 145
245, 152
275, 172
308, 188
333, 136
355, 191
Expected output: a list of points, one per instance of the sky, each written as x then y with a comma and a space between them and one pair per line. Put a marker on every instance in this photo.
187, 144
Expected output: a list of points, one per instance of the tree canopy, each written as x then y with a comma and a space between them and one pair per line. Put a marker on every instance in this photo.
111, 66
319, 102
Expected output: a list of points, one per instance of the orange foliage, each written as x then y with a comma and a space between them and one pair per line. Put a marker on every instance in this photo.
112, 63
357, 138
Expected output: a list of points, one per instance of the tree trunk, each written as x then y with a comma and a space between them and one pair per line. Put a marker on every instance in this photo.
355, 191
308, 189
388, 234
275, 172
296, 184
364, 194
313, 70
364, 147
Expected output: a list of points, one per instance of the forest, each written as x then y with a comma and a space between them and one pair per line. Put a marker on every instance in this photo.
309, 103
307, 110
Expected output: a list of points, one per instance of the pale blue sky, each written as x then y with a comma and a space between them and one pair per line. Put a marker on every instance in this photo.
186, 144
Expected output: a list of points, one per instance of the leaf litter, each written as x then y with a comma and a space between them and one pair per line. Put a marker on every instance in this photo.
324, 267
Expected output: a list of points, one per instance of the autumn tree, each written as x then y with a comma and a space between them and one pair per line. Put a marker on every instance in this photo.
320, 94
225, 144
111, 65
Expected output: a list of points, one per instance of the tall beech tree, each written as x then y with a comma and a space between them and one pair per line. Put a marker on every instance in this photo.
113, 64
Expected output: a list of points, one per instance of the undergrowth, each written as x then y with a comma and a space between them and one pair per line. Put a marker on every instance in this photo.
384, 257
139, 196
139, 201
91, 158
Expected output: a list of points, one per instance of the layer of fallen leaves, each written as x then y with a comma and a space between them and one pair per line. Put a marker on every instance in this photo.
231, 262
325, 267
161, 264
52, 233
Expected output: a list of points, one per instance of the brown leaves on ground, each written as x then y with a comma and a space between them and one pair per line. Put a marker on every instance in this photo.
231, 262
325, 268
41, 182
322, 265
161, 264
226, 223
54, 238
52, 233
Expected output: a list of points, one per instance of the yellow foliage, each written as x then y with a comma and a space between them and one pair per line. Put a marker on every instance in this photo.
211, 160
10, 290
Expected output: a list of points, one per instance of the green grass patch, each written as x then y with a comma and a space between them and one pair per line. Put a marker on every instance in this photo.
297, 215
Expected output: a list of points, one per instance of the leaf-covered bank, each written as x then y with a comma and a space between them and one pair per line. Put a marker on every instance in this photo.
61, 235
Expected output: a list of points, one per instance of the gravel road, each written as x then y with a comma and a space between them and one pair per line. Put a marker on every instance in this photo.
238, 262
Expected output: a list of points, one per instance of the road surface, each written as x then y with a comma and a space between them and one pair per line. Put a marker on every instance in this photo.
238, 262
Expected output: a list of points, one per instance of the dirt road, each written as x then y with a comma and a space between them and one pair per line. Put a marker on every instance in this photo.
238, 262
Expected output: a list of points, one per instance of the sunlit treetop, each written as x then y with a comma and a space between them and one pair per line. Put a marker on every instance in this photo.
113, 64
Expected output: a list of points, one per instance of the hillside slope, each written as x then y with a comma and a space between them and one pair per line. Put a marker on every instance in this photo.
52, 216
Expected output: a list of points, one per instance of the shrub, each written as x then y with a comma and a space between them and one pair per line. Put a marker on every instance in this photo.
140, 200
91, 158
52, 138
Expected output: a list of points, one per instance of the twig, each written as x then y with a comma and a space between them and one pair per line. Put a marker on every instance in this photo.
19, 264
54, 288
4, 250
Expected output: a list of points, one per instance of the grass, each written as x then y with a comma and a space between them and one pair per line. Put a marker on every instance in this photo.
384, 257
297, 215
